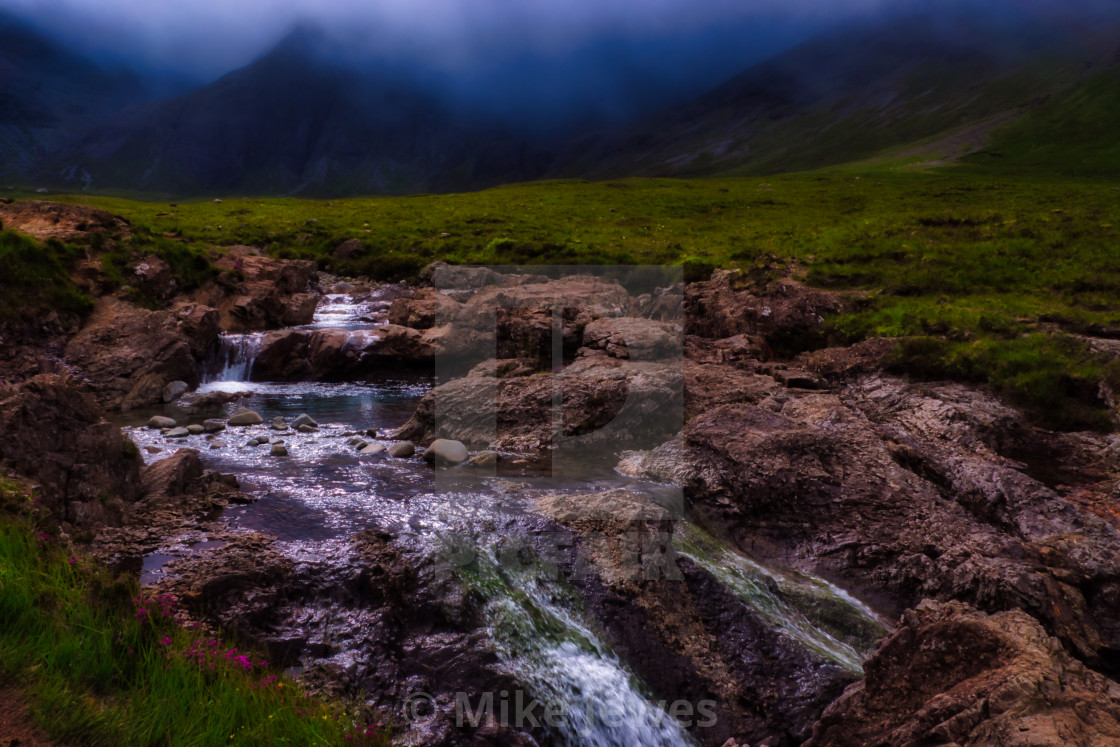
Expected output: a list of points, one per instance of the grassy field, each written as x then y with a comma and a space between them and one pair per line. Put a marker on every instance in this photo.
103, 663
988, 274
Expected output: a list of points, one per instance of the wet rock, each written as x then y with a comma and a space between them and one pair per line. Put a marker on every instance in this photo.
484, 459
159, 421
358, 443
173, 476
152, 449
304, 419
174, 390
129, 354
245, 416
371, 449
57, 436
215, 445
213, 425
446, 451
195, 430
181, 432
307, 429
952, 675
401, 449
339, 354
278, 450
278, 424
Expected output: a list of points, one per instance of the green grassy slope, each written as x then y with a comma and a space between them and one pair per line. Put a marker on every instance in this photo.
1076, 133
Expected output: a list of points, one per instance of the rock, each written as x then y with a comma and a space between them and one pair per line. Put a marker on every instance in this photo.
199, 324
245, 416
401, 449
607, 402
62, 221
307, 429
213, 425
174, 390
217, 445
152, 449
58, 436
278, 424
634, 338
789, 315
304, 419
339, 354
129, 355
952, 675
178, 433
446, 451
350, 249
371, 449
278, 450
176, 475
274, 441
426, 308
195, 429
358, 443
484, 459
159, 421
256, 292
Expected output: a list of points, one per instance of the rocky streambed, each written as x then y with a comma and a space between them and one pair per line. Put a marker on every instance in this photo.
664, 532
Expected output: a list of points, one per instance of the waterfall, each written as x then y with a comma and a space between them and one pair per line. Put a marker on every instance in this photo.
818, 615
234, 360
544, 642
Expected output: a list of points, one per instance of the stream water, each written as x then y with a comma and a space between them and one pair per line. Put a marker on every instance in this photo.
324, 491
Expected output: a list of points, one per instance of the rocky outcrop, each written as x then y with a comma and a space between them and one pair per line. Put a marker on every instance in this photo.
57, 435
340, 354
254, 292
57, 220
904, 494
606, 401
952, 675
789, 315
127, 355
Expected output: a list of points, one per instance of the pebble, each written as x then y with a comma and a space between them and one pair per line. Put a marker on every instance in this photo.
401, 449
304, 419
278, 450
213, 426
178, 433
196, 429
245, 417
159, 421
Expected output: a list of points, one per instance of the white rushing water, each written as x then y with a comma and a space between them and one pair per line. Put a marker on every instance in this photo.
547, 645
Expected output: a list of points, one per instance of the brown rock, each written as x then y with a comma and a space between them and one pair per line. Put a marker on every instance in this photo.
129, 354
952, 675
57, 435
256, 292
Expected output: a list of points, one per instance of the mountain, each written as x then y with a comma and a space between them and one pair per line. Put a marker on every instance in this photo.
296, 122
859, 91
49, 96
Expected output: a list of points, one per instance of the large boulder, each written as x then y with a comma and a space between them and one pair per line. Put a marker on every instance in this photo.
254, 292
339, 354
606, 402
57, 435
952, 675
128, 354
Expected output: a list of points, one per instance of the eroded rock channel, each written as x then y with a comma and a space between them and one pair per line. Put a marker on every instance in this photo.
662, 533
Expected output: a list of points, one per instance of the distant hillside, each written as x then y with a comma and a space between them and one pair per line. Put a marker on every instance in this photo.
293, 122
859, 91
48, 96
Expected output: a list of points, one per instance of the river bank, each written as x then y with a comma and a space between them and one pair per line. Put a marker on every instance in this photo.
769, 544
